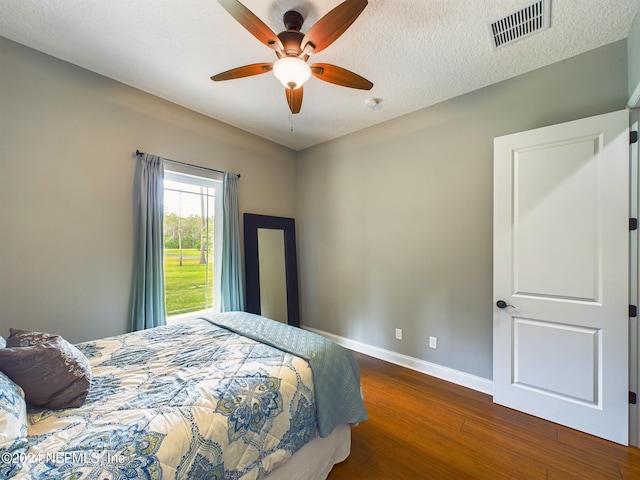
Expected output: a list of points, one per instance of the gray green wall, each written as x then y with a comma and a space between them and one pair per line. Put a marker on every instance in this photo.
633, 45
67, 138
395, 221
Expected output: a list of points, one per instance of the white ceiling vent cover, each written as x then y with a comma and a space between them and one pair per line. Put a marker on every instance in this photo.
528, 20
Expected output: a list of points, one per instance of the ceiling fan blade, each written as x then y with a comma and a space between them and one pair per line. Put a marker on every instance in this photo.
340, 76
253, 24
246, 71
333, 24
294, 99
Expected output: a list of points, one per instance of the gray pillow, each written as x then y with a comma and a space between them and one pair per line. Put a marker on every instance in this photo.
52, 372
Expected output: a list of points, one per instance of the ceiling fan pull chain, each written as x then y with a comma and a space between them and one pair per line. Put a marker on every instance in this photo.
290, 100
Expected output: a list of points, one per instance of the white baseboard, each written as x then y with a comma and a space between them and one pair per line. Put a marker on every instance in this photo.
445, 373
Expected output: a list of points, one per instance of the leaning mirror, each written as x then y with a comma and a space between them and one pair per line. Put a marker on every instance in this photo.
271, 267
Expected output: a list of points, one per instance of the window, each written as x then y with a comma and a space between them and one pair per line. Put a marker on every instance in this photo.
191, 242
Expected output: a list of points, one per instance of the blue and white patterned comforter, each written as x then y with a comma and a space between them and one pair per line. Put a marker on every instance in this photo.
187, 401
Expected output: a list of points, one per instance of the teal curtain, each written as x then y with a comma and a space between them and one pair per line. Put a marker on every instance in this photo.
147, 295
232, 290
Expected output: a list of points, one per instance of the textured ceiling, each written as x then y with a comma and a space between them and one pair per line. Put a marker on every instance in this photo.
416, 52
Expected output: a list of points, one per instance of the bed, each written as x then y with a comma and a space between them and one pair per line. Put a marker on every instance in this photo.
227, 396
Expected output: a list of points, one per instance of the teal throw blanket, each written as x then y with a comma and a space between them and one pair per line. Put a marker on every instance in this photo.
336, 375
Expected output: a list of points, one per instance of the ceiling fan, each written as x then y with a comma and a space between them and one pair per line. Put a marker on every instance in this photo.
293, 49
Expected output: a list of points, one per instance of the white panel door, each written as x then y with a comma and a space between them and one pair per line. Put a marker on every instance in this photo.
561, 260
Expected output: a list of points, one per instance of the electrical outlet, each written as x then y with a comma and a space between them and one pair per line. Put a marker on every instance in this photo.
433, 342
398, 334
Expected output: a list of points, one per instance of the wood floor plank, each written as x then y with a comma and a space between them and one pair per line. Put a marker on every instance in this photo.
422, 427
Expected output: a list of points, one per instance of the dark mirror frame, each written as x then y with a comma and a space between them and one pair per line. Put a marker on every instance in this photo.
253, 222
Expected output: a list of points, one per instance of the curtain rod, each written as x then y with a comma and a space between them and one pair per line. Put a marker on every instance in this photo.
139, 154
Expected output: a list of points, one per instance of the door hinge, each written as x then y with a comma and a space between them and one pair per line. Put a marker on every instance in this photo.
633, 224
633, 136
633, 311
633, 398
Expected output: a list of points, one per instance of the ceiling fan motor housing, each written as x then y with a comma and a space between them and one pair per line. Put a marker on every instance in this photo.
291, 38
291, 41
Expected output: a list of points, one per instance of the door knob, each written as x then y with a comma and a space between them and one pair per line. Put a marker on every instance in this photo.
502, 304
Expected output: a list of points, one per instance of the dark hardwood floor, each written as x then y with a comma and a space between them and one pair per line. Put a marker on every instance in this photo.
421, 427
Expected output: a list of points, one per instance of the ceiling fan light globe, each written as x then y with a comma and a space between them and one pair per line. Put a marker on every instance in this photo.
291, 71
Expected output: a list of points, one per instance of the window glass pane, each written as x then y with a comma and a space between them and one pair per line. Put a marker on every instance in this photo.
189, 213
